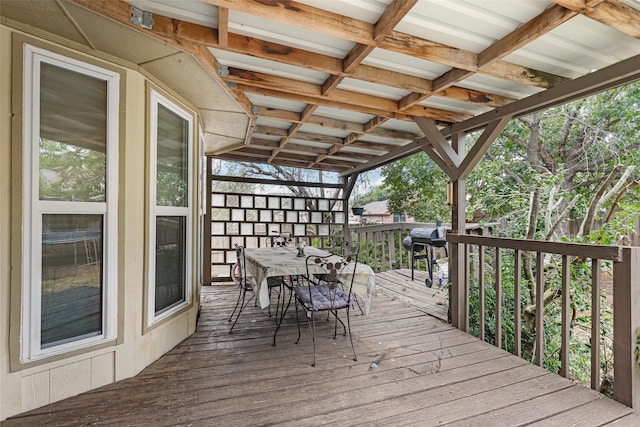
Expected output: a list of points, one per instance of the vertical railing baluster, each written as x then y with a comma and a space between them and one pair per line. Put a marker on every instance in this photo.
566, 320
481, 326
391, 244
366, 245
595, 324
400, 251
498, 275
539, 308
375, 252
517, 306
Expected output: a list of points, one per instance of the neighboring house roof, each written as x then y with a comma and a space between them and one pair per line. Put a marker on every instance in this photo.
377, 208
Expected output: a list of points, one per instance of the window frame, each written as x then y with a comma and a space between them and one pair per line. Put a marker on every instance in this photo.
157, 98
34, 209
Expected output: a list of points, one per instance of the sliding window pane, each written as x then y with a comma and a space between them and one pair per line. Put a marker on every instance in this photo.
170, 262
73, 132
72, 279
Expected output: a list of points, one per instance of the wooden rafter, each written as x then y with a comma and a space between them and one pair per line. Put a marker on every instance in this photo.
324, 22
293, 130
527, 32
522, 35
343, 98
623, 72
223, 26
243, 83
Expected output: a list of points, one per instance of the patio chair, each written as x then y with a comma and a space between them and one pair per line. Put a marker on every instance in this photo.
329, 295
347, 249
244, 287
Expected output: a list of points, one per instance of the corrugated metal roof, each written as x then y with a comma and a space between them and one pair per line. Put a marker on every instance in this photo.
331, 81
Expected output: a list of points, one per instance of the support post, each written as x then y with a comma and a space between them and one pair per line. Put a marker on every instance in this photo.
457, 292
626, 328
348, 182
206, 227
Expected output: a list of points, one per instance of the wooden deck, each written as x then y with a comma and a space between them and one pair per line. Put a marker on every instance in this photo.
412, 369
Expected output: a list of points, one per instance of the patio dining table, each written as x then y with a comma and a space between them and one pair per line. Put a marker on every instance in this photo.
263, 263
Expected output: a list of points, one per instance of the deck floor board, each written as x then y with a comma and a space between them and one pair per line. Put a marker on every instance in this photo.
412, 369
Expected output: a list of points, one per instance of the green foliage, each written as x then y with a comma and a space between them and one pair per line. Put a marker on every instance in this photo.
171, 186
70, 172
564, 153
418, 188
377, 194
580, 303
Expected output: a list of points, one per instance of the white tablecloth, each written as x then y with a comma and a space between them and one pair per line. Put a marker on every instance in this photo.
262, 263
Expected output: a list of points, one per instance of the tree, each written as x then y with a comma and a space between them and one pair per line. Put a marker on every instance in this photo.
572, 163
417, 187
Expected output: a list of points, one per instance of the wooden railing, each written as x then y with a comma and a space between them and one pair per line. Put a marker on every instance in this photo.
381, 244
479, 270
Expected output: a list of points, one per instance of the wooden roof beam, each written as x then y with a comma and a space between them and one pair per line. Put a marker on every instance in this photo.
466, 60
435, 139
612, 13
327, 122
385, 24
324, 22
311, 94
527, 32
308, 111
303, 16
524, 34
223, 26
289, 163
615, 75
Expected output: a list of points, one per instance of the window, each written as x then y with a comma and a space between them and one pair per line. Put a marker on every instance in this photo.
399, 217
170, 222
69, 204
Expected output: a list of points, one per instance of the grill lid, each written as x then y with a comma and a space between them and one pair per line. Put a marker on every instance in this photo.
427, 236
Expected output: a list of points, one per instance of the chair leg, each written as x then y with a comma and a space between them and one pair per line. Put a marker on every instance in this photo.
335, 328
240, 295
243, 305
312, 326
283, 312
298, 322
355, 356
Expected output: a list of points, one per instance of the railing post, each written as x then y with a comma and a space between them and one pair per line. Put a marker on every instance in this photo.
626, 328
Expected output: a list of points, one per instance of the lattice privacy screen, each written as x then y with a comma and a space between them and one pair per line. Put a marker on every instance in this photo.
249, 220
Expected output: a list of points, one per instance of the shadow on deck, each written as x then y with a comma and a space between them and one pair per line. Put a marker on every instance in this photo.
412, 369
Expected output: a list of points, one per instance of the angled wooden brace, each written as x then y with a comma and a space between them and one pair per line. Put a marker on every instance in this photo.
437, 147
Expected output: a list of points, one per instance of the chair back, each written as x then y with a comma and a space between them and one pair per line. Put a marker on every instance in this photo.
242, 272
279, 240
333, 274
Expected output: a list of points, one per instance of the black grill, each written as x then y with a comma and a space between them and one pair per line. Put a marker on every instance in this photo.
425, 239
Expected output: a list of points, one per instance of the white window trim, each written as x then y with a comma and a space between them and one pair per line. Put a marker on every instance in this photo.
33, 208
154, 210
